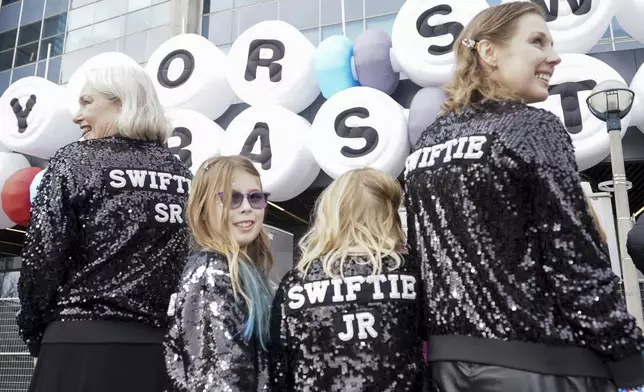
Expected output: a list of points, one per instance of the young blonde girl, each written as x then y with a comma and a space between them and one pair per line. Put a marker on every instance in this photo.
219, 325
346, 318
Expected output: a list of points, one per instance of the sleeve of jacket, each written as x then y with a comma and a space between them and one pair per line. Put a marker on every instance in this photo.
278, 365
576, 266
203, 348
46, 253
635, 244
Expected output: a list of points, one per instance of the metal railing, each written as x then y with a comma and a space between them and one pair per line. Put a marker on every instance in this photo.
16, 366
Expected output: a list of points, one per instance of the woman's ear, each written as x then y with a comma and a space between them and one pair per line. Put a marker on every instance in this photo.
487, 52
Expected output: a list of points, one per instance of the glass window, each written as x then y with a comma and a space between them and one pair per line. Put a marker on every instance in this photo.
204, 25
29, 33
5, 80
26, 54
32, 11
54, 7
628, 45
302, 14
56, 46
494, 2
353, 30
216, 5
161, 14
23, 72
249, 16
80, 17
133, 5
156, 37
53, 73
244, 3
332, 11
78, 39
607, 34
108, 9
7, 2
221, 27
225, 48
80, 3
8, 39
137, 21
379, 7
109, 30
618, 31
135, 46
54, 25
384, 23
6, 59
313, 35
9, 16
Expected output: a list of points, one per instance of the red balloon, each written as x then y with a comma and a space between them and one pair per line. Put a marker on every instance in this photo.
15, 195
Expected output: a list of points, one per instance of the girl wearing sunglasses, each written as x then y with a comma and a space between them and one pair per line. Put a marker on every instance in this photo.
219, 324
347, 318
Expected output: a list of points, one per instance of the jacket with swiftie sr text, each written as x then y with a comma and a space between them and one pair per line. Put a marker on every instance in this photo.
107, 239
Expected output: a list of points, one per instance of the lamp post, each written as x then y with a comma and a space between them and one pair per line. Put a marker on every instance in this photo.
611, 101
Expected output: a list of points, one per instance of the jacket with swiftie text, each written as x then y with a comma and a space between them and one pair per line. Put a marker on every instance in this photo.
360, 333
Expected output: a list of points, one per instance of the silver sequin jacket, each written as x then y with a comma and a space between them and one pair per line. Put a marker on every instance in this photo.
204, 350
509, 251
360, 335
95, 248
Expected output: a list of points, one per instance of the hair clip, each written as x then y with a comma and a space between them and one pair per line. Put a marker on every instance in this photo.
470, 43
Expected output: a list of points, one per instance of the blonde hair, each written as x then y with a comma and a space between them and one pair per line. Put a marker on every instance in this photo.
471, 82
216, 175
142, 116
356, 215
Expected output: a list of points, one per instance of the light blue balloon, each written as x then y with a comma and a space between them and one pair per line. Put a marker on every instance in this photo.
35, 183
333, 65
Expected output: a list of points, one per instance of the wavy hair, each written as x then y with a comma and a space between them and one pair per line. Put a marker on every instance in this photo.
471, 82
248, 269
356, 215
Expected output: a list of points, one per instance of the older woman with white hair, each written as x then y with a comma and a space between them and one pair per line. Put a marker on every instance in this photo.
106, 244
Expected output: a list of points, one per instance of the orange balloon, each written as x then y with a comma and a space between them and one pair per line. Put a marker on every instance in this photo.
15, 195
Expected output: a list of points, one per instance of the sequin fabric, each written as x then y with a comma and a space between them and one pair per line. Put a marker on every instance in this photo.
360, 334
204, 349
95, 249
507, 245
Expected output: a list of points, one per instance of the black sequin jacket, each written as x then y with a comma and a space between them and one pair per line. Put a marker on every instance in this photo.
204, 350
106, 240
362, 334
509, 252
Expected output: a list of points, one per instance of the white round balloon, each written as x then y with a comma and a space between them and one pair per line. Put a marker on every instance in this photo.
4, 149
570, 87
9, 164
275, 139
629, 15
273, 62
360, 127
189, 72
195, 137
424, 33
577, 26
78, 78
637, 111
35, 120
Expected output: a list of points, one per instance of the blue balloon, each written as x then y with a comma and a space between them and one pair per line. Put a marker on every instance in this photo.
333, 65
35, 183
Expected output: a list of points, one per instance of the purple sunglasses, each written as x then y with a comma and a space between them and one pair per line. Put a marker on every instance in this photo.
257, 199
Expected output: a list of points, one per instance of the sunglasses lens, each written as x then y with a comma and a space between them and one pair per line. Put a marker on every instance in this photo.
258, 200
236, 199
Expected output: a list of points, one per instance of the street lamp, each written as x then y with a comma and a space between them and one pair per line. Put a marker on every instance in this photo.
611, 101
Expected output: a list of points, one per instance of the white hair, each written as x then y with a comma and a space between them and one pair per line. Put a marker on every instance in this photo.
142, 116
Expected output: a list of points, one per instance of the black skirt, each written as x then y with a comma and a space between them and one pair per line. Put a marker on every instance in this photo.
105, 367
